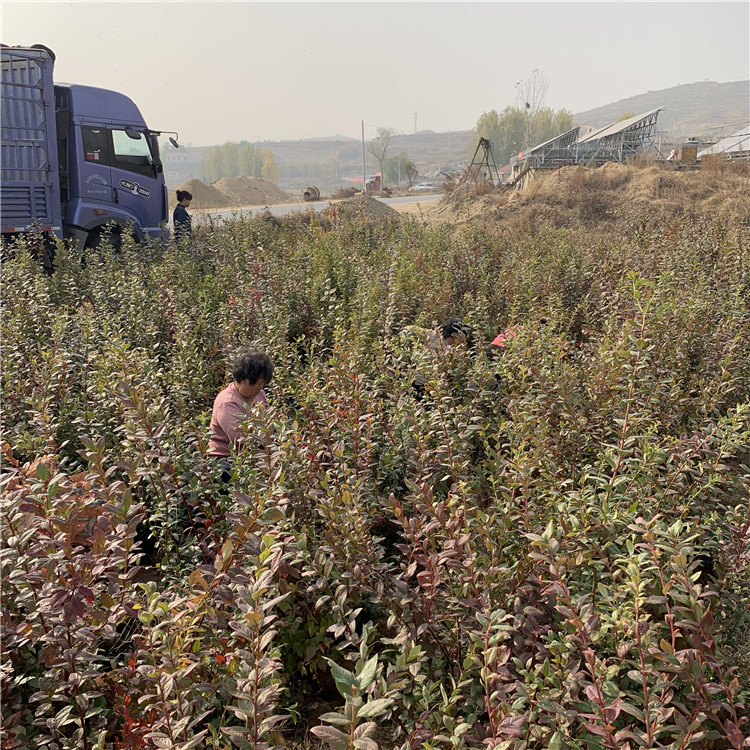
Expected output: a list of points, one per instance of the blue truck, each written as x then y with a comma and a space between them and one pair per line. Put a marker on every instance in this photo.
78, 162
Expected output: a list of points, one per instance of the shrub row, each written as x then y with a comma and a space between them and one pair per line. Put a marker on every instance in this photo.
546, 549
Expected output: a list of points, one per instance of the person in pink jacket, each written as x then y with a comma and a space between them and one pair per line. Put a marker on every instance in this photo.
252, 371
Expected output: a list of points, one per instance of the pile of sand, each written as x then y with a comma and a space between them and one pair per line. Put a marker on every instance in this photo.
231, 192
360, 207
204, 196
251, 191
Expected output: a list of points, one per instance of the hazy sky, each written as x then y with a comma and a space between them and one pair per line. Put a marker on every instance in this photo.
218, 71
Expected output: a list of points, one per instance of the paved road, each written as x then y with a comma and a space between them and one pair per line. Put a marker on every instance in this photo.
285, 208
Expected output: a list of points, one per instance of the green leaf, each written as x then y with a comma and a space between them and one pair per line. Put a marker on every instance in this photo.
365, 730
373, 708
161, 740
195, 742
367, 675
340, 674
333, 717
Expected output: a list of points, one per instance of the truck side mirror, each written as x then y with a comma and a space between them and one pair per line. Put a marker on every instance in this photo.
174, 142
132, 133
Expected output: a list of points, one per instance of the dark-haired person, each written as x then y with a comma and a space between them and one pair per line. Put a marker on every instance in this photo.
455, 331
452, 332
252, 371
183, 228
423, 341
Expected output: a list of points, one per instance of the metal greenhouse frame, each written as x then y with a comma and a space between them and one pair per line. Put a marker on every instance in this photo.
619, 142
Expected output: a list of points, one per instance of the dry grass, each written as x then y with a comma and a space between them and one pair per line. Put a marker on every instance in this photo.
576, 195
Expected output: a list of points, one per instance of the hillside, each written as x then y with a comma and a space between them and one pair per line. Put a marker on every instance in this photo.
429, 150
706, 110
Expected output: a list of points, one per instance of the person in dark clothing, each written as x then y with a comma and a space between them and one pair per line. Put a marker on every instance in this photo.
455, 331
181, 219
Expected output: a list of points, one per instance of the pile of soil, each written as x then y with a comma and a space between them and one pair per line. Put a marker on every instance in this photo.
360, 207
592, 195
204, 196
231, 192
251, 191
464, 204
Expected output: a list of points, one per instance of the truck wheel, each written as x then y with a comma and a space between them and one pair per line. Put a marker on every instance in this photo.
99, 237
48, 256
103, 235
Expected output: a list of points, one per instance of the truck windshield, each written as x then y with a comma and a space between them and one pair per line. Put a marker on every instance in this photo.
131, 153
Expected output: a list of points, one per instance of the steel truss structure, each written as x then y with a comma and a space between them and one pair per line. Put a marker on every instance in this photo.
618, 142
484, 165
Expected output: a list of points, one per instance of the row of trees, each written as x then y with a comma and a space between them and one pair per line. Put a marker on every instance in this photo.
511, 130
240, 160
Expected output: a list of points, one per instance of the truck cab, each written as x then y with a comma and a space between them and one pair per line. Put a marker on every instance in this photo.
110, 170
77, 161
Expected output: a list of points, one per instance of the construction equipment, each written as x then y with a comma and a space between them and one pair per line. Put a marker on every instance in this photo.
484, 167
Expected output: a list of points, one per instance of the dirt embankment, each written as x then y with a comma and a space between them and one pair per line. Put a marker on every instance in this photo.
232, 192
577, 195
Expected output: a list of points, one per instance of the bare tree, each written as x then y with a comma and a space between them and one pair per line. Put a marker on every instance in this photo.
411, 171
378, 147
530, 97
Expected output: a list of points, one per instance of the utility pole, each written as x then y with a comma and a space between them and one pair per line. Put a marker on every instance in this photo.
415, 122
364, 172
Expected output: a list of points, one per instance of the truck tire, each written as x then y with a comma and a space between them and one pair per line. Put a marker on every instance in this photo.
97, 239
104, 235
41, 247
48, 255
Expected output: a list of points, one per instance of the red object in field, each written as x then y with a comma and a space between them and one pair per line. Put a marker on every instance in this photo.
503, 338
